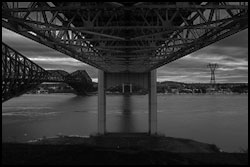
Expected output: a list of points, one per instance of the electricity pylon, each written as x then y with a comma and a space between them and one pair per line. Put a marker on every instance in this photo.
212, 69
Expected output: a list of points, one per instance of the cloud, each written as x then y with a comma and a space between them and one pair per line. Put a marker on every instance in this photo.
239, 39
232, 61
95, 79
221, 60
57, 60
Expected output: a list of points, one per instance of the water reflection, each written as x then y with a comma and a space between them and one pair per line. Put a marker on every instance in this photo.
127, 122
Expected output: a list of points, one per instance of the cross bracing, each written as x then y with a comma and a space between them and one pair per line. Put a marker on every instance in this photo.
19, 75
79, 80
125, 36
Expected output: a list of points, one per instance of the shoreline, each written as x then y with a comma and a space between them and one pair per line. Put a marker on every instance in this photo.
141, 141
179, 94
117, 148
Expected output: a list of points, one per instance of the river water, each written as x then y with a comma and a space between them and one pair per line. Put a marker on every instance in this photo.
214, 119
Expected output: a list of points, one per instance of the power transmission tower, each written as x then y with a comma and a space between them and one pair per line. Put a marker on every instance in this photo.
212, 69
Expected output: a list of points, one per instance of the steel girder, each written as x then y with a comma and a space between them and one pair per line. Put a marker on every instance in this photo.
19, 74
126, 37
57, 76
79, 80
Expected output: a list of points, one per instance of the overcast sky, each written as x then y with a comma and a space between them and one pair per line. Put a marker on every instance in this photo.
231, 54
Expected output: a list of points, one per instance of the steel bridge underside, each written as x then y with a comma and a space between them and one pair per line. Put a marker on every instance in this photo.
127, 36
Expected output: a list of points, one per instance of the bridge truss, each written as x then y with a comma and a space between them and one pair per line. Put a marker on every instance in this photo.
19, 74
78, 80
125, 36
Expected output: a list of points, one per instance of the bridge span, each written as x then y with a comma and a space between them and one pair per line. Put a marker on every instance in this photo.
79, 80
19, 75
126, 41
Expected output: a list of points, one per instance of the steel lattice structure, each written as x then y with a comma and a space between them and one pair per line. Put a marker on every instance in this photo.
212, 68
78, 80
19, 74
82, 83
57, 76
125, 36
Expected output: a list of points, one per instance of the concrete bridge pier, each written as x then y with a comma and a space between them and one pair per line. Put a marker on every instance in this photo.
101, 103
152, 100
147, 80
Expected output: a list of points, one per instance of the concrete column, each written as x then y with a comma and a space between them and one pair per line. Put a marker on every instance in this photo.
152, 103
130, 88
101, 103
123, 88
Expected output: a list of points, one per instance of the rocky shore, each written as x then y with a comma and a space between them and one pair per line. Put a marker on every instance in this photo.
117, 149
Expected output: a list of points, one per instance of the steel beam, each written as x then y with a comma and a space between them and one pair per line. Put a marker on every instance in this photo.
79, 80
91, 32
19, 74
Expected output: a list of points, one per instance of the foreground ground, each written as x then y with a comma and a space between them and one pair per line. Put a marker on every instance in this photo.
117, 149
